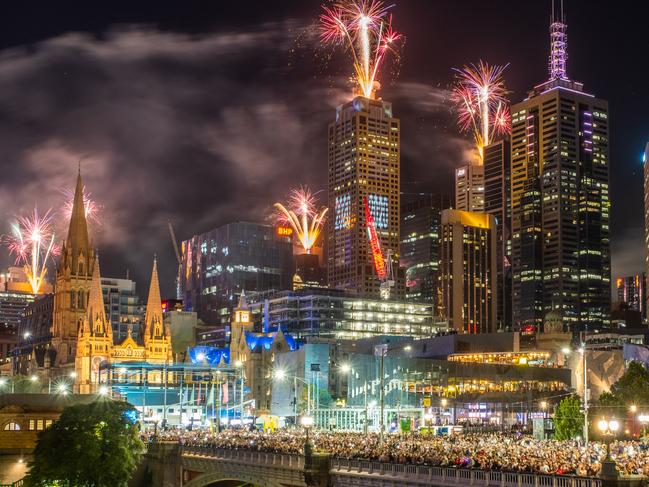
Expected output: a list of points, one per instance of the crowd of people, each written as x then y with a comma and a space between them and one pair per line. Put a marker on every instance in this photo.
495, 451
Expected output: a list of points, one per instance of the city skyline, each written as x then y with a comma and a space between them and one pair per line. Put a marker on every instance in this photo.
68, 78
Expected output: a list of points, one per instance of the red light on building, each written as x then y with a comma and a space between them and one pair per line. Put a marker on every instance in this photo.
375, 244
284, 231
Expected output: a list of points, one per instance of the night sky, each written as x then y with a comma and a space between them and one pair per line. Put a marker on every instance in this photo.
208, 112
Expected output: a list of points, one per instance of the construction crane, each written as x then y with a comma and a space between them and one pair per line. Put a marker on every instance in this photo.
178, 258
383, 266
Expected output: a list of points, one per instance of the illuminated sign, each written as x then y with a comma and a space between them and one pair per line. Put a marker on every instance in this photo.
284, 231
375, 244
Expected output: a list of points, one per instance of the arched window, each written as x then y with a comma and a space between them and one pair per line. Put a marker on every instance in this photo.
73, 299
81, 268
11, 426
80, 303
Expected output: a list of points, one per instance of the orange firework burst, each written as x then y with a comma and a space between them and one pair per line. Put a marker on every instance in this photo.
481, 101
365, 27
302, 215
32, 242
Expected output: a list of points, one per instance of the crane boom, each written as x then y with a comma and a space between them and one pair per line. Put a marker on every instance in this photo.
174, 242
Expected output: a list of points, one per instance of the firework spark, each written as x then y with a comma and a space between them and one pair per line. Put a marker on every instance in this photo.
301, 214
365, 28
481, 101
32, 242
92, 209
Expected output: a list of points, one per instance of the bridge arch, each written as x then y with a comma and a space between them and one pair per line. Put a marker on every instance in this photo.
213, 479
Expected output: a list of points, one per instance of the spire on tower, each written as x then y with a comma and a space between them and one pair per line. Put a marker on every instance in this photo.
78, 241
95, 312
558, 42
153, 321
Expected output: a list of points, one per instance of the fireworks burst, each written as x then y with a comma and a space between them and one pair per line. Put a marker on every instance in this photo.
303, 217
92, 209
481, 101
365, 27
32, 242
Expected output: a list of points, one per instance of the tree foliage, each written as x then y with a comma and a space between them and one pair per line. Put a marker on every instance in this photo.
568, 419
632, 387
91, 445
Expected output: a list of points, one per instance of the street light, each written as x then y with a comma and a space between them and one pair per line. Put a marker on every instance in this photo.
307, 423
608, 427
33, 378
62, 388
345, 368
73, 375
281, 375
103, 391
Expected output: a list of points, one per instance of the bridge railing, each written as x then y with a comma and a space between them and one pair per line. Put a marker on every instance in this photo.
461, 476
267, 459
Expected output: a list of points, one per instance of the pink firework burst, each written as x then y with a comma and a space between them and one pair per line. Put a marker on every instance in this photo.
92, 209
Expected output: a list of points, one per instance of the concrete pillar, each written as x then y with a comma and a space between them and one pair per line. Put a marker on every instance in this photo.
316, 469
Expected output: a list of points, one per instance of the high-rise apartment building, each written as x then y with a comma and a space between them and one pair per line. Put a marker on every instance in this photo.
364, 164
123, 307
497, 202
468, 270
560, 200
421, 218
470, 188
218, 265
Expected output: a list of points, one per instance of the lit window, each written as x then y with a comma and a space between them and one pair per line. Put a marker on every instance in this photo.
11, 426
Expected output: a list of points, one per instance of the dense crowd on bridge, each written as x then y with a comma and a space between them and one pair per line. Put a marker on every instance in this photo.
515, 453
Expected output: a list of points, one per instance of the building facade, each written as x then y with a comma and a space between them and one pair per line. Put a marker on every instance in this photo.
632, 290
364, 164
497, 202
468, 271
470, 188
218, 265
12, 312
560, 200
95, 344
332, 313
645, 161
123, 307
420, 229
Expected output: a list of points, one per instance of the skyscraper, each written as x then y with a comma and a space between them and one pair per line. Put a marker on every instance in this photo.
364, 162
470, 188
560, 199
421, 218
645, 162
632, 291
497, 202
123, 307
468, 270
218, 265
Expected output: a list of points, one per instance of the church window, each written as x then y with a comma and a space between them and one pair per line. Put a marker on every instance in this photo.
80, 303
73, 299
81, 268
11, 426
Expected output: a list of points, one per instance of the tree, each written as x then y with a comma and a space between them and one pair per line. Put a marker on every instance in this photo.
632, 387
568, 419
91, 445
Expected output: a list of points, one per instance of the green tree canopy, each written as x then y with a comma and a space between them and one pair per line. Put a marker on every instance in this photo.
632, 387
91, 445
568, 419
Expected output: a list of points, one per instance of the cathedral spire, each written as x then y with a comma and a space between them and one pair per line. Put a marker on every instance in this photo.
96, 319
153, 322
78, 242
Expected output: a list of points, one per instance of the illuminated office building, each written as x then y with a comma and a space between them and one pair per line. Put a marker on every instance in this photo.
218, 265
469, 188
364, 162
560, 200
632, 290
420, 227
645, 158
497, 202
468, 271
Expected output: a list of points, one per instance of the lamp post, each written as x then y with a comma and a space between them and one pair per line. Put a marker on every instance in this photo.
582, 351
281, 375
608, 427
239, 365
307, 423
633, 409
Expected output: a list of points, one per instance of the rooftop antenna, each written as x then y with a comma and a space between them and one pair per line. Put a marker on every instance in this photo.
558, 42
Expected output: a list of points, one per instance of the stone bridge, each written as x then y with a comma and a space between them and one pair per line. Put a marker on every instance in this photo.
173, 465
